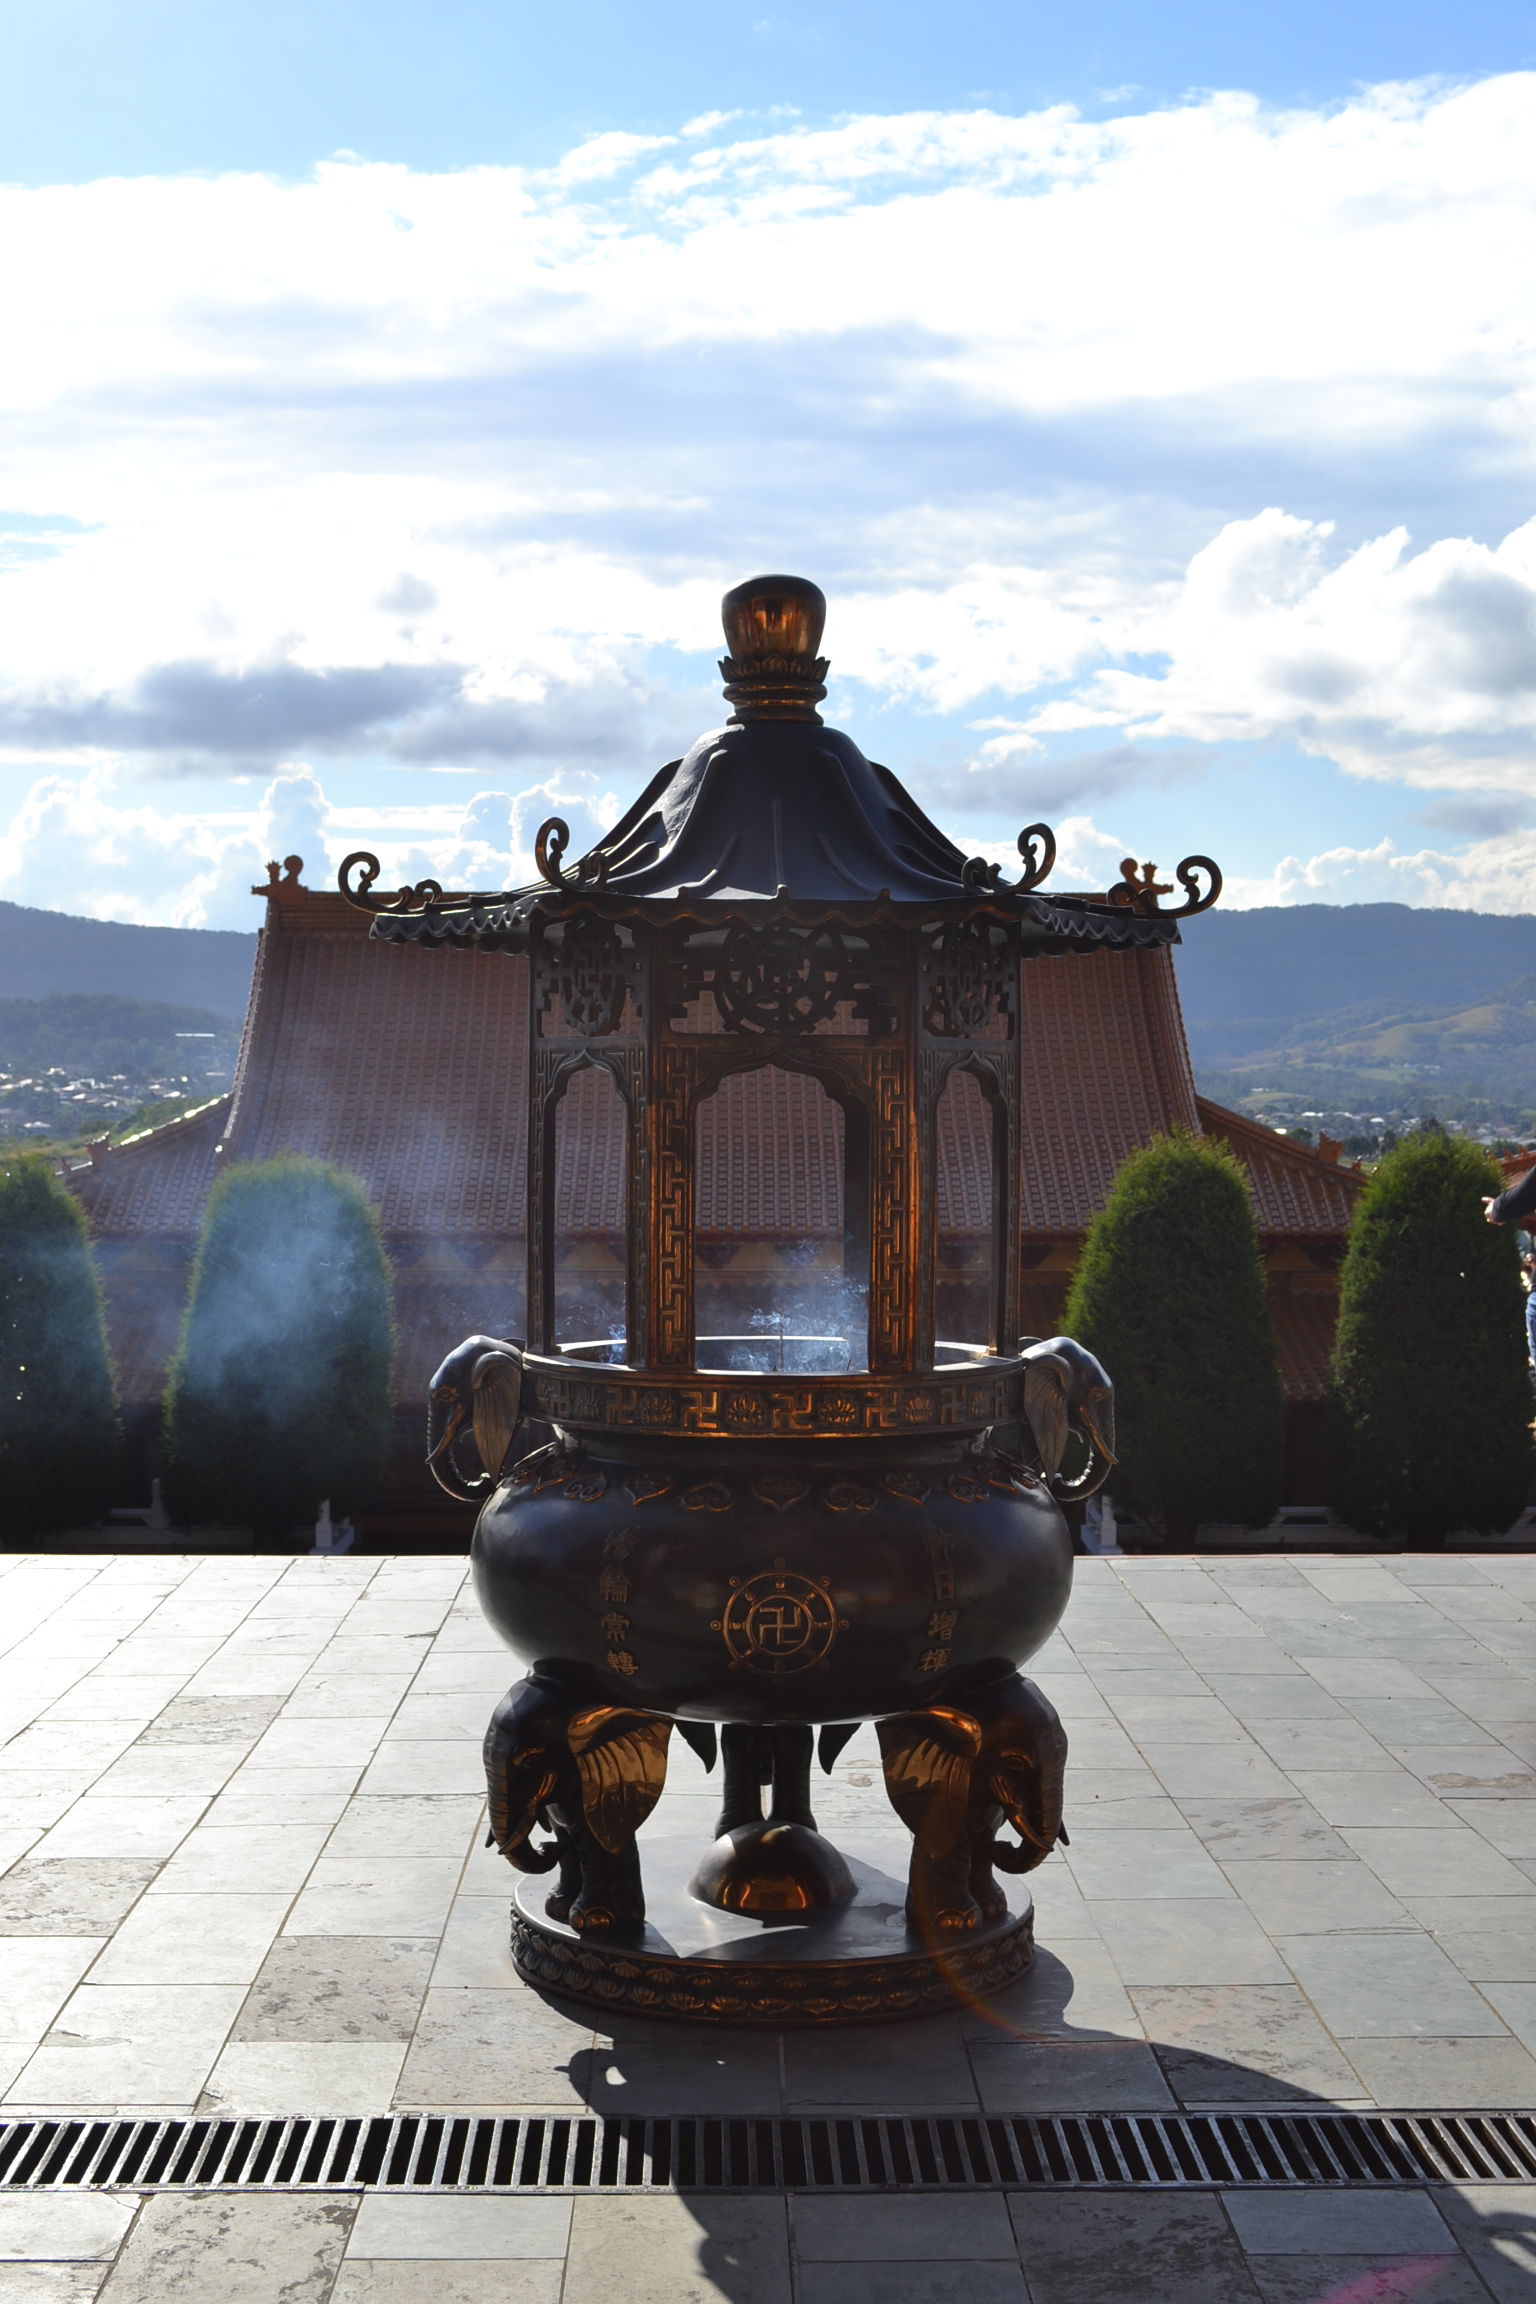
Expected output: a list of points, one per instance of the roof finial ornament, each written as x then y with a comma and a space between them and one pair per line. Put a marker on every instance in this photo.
773, 627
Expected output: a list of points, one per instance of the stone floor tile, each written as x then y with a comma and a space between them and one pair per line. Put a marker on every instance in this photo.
1259, 2043
70, 1744
290, 1743
1467, 1770
1303, 2219
1279, 1825
1428, 2075
258, 1859
252, 1671
232, 2248
41, 1797
71, 1895
37, 1976
174, 1939
1499, 1914
107, 1824
845, 2228
340, 1695
967, 2282
1328, 1897
441, 1718
1365, 2280
1375, 1796
1317, 1744
1218, 1766
1516, 2003
376, 1896
881, 2069
1449, 1857
379, 1655
180, 1770
1365, 1677
51, 2283
679, 2249
1126, 2248
447, 1767
244, 1808
128, 2045
1508, 1825
338, 1988
1388, 1987
265, 2076
63, 2226
486, 2049
363, 2280
475, 1946
117, 1696
437, 2227
1494, 1955
1266, 1696
409, 1824
1110, 1866
1496, 2225
202, 1721
465, 1672
1194, 1940
659, 2068
1074, 1993
1059, 2076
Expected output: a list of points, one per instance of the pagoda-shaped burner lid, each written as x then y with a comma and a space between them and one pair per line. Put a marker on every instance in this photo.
775, 810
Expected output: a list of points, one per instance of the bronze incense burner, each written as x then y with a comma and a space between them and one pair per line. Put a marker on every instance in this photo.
764, 1537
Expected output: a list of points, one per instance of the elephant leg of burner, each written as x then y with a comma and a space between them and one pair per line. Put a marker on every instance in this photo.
954, 1777
793, 1750
745, 1762
590, 1775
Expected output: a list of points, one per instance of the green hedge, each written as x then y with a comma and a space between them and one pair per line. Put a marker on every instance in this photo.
279, 1390
1169, 1293
58, 1420
1430, 1368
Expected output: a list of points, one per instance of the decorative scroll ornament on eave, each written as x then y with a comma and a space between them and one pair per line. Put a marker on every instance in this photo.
1138, 888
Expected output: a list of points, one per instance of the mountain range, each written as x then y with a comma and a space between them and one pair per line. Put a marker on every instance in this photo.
1365, 1005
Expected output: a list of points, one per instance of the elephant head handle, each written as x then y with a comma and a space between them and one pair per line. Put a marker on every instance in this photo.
1066, 1392
478, 1388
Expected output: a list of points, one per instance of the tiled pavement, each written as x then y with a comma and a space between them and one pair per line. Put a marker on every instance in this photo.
240, 1803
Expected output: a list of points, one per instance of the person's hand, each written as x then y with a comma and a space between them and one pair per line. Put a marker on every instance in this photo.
1488, 1214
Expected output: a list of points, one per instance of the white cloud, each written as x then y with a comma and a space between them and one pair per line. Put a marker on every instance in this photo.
1414, 665
448, 471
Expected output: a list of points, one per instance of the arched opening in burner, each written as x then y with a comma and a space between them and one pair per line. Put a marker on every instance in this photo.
971, 1227
587, 1259
781, 1225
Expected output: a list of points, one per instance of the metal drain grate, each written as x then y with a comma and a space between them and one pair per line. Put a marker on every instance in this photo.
416, 2152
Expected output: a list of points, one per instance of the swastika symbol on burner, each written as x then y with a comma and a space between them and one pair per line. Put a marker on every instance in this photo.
779, 1622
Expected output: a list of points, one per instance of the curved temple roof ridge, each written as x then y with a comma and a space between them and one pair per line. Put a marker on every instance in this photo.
773, 811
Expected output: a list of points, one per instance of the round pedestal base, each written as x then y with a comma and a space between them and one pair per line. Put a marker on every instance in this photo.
860, 1964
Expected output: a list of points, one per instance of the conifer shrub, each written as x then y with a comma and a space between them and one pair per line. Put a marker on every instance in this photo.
278, 1395
1430, 1371
1169, 1293
58, 1419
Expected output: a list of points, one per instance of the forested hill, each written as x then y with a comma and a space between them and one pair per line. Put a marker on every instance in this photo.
1249, 981
43, 952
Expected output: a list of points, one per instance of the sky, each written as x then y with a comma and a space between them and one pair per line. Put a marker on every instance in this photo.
389, 393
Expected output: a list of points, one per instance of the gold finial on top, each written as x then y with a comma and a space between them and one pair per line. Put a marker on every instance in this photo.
773, 627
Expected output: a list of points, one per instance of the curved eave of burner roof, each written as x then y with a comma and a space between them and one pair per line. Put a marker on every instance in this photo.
1047, 925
